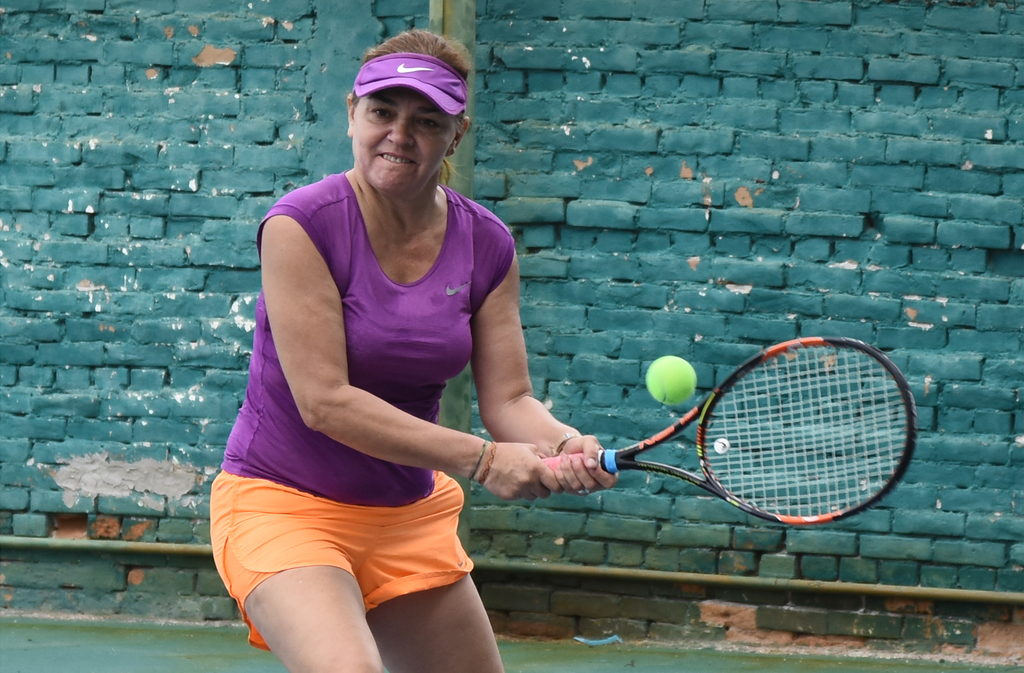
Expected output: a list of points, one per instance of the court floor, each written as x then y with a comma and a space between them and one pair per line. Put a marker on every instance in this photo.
43, 645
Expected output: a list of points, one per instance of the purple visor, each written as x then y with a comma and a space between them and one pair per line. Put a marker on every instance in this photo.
430, 76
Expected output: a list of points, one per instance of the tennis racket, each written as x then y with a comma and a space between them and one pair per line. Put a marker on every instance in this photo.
807, 431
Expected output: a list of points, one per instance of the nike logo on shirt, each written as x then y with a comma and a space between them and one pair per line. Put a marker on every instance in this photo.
454, 290
403, 69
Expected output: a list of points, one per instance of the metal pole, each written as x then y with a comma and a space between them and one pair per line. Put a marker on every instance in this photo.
456, 19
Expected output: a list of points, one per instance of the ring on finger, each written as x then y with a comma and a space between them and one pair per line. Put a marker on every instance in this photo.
584, 491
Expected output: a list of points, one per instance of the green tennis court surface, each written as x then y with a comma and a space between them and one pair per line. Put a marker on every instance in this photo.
35, 645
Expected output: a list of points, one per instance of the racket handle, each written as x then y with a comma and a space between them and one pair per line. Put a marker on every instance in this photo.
607, 459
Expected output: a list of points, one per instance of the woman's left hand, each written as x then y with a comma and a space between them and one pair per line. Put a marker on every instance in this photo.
577, 467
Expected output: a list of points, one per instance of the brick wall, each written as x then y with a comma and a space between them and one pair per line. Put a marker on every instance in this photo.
140, 144
537, 605
706, 178
700, 178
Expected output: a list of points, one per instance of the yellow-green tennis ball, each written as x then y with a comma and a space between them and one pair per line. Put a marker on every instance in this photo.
671, 380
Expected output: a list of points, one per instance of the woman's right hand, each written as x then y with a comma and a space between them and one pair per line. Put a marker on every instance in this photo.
517, 473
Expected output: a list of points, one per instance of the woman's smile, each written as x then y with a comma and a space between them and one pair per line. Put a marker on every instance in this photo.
394, 159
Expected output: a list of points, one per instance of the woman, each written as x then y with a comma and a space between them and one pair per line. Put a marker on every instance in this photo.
334, 518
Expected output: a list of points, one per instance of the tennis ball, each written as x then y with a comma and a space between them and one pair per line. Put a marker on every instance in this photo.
671, 380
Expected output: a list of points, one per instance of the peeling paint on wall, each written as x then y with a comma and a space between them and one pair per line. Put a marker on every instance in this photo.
96, 474
580, 165
211, 56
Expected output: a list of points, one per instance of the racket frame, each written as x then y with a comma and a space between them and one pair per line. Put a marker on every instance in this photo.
624, 459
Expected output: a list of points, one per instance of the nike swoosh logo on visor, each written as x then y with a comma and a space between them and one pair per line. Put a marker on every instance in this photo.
402, 69
454, 290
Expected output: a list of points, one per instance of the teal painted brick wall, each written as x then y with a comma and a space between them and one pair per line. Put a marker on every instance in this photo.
706, 178
700, 178
141, 144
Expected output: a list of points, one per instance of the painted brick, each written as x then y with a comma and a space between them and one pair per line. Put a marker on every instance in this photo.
28, 525
778, 565
14, 499
637, 505
973, 207
989, 554
862, 307
982, 20
821, 568
897, 548
130, 506
804, 11
748, 62
617, 139
761, 222
59, 502
917, 70
865, 625
525, 210
95, 575
953, 179
974, 127
978, 579
939, 630
551, 522
737, 563
688, 535
698, 561
620, 528
600, 213
968, 395
821, 542
826, 224
750, 116
783, 148
996, 156
698, 141
859, 570
943, 577
1010, 580
757, 540
743, 272
898, 573
790, 619
584, 604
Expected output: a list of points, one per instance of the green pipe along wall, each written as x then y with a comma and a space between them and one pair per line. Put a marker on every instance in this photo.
694, 177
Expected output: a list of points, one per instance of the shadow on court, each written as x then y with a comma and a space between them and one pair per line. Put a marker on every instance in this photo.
37, 645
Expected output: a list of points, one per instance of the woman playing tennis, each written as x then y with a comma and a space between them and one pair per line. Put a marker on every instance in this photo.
334, 518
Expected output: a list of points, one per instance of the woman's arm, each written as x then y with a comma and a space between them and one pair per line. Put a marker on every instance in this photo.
508, 408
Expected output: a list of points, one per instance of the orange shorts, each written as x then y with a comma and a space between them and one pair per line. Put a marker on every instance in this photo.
259, 528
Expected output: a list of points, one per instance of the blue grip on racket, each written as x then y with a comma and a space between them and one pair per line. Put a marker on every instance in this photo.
608, 461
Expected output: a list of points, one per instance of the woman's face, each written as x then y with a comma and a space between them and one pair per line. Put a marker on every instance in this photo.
400, 140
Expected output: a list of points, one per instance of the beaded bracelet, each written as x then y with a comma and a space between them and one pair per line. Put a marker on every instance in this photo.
565, 438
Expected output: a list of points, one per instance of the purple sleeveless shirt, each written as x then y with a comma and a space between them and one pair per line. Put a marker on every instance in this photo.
404, 342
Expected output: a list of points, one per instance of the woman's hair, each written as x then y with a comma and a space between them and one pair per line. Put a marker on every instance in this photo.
417, 41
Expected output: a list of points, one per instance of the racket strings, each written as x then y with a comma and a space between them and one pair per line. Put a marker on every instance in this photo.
812, 431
